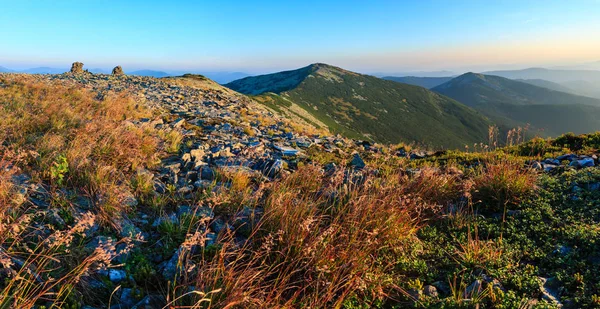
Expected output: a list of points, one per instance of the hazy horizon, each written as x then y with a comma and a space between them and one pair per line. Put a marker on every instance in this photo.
382, 37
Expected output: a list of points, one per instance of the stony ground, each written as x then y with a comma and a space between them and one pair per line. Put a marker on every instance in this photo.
536, 251
215, 131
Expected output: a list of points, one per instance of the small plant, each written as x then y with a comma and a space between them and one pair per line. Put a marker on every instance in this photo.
59, 169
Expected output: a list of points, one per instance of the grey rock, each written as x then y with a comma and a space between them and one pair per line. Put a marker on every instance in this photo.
552, 161
116, 275
569, 157
430, 291
54, 218
536, 165
286, 151
151, 302
206, 173
549, 292
357, 162
126, 298
474, 289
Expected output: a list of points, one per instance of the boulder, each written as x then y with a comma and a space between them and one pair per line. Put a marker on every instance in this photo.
357, 162
430, 291
118, 71
77, 68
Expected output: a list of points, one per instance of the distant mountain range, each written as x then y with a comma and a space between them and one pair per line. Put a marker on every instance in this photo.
511, 103
417, 74
148, 73
548, 85
367, 107
582, 82
426, 82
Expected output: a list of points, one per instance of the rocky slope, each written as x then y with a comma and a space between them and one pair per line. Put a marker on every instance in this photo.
227, 200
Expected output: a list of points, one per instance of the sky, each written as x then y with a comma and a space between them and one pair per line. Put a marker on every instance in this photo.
271, 35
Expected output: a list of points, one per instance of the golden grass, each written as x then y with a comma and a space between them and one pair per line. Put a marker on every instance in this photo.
63, 138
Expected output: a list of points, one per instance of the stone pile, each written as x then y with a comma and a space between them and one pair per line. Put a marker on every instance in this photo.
118, 71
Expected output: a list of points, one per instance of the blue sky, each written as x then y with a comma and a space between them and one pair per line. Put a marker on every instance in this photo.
261, 36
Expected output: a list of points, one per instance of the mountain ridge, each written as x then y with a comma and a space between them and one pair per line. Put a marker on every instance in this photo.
511, 103
367, 107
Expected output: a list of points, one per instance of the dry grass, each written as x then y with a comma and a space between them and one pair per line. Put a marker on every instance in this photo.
64, 140
499, 183
321, 241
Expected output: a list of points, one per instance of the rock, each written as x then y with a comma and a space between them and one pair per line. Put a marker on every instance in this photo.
569, 157
116, 275
474, 289
272, 168
548, 167
202, 184
430, 290
170, 219
197, 154
151, 302
55, 219
211, 239
77, 68
494, 282
562, 250
536, 165
129, 200
286, 151
169, 268
586, 162
552, 161
127, 299
118, 71
357, 162
549, 292
206, 173
417, 155
200, 212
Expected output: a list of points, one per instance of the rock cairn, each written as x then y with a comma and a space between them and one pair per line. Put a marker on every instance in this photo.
77, 68
118, 71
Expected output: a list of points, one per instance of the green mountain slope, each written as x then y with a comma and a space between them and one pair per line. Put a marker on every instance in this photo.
425, 82
367, 107
582, 82
548, 85
511, 103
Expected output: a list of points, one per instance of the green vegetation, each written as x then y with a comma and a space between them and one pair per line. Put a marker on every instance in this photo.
366, 107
